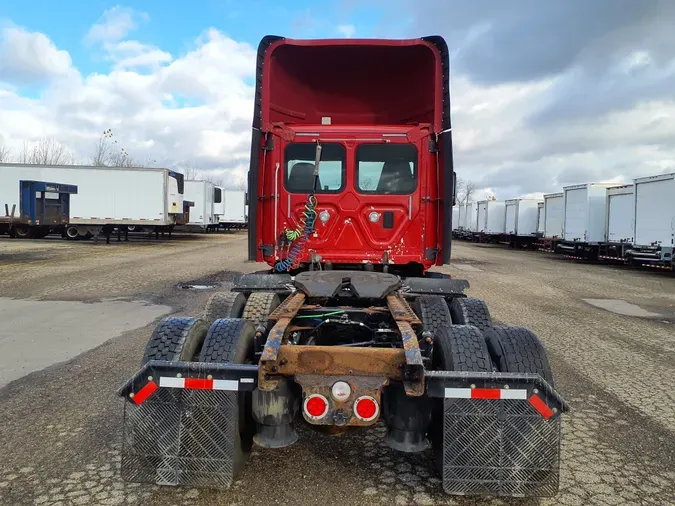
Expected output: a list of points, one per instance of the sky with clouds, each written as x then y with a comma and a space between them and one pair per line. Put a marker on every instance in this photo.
544, 93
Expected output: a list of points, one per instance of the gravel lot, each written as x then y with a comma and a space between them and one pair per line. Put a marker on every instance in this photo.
60, 430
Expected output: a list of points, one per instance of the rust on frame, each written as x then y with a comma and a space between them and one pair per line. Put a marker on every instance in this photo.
333, 361
288, 308
274, 339
401, 310
413, 381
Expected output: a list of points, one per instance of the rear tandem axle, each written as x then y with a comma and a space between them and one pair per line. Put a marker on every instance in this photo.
423, 358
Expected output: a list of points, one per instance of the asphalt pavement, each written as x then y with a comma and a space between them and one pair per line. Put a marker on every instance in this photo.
613, 360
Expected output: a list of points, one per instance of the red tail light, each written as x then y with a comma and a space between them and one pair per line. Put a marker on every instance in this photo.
316, 406
366, 408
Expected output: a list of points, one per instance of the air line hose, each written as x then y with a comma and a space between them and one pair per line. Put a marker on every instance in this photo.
300, 236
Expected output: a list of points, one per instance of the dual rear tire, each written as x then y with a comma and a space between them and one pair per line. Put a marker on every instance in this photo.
466, 339
473, 344
228, 340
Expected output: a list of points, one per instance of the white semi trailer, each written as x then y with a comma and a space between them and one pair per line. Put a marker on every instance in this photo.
455, 218
621, 214
619, 223
231, 212
521, 221
554, 206
496, 217
654, 243
550, 222
107, 197
491, 220
206, 197
472, 216
462, 217
481, 217
584, 219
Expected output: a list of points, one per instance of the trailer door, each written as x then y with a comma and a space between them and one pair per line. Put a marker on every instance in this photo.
654, 219
576, 214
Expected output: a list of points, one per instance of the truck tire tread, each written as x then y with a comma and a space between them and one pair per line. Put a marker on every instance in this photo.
461, 348
434, 313
229, 340
517, 349
224, 305
470, 311
175, 338
259, 306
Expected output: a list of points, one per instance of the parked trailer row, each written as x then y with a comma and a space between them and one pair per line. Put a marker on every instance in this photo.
632, 223
215, 207
514, 221
107, 197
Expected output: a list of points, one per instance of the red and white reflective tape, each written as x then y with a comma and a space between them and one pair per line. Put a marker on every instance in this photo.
200, 383
501, 394
664, 267
187, 383
485, 393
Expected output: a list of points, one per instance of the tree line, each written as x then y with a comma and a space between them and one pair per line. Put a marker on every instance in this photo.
108, 151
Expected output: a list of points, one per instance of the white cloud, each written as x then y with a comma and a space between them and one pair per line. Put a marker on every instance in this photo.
133, 54
147, 111
347, 31
537, 105
115, 24
29, 58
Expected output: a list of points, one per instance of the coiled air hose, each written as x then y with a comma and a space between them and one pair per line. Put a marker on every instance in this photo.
300, 235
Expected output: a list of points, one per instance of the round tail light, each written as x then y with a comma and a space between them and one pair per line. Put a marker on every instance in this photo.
366, 408
316, 406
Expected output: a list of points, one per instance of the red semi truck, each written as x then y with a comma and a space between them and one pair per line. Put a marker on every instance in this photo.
351, 193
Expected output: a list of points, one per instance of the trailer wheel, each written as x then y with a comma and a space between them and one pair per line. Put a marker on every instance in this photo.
259, 306
23, 232
175, 339
469, 311
230, 340
434, 313
517, 349
224, 305
72, 233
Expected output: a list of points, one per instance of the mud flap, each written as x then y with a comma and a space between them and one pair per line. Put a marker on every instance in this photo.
181, 428
501, 434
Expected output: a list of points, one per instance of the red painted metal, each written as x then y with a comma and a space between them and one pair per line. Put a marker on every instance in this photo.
373, 91
145, 392
541, 406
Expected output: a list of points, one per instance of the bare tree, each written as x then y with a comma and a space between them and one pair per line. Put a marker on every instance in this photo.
5, 154
214, 179
190, 171
46, 151
108, 152
465, 191
101, 155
